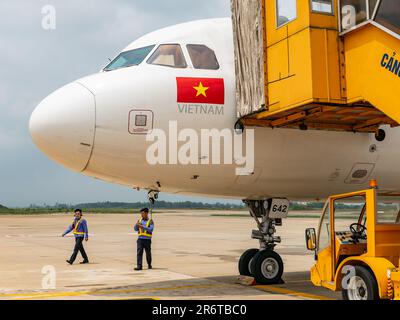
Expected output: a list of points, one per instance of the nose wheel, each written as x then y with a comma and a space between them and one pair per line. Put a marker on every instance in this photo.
267, 267
264, 264
245, 262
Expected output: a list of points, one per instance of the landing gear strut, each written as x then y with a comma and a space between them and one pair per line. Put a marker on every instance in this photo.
264, 264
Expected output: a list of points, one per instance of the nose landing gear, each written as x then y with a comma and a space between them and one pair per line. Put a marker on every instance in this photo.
264, 264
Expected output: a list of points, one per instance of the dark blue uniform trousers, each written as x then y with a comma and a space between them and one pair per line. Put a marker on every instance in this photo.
143, 245
79, 248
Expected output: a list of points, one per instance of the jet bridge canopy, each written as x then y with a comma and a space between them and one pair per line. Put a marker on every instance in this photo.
318, 64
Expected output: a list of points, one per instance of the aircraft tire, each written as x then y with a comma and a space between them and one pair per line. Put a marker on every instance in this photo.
267, 267
244, 262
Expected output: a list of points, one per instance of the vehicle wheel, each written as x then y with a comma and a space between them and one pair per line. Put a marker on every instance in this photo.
267, 267
361, 286
244, 261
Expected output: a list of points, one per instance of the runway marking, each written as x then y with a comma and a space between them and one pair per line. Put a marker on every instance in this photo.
137, 298
273, 289
45, 295
41, 295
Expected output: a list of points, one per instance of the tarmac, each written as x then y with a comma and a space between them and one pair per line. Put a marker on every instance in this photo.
195, 257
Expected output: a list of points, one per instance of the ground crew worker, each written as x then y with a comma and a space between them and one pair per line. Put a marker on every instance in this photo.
145, 228
81, 232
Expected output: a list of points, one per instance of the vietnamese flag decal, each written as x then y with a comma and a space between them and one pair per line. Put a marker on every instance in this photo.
201, 90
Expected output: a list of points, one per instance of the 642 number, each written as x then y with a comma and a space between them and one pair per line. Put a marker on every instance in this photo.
279, 209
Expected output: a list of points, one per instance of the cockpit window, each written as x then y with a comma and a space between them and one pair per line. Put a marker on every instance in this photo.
169, 55
203, 57
129, 58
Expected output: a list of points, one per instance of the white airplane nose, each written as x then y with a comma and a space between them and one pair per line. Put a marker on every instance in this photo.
63, 126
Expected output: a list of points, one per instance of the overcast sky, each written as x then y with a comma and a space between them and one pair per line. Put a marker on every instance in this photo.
35, 62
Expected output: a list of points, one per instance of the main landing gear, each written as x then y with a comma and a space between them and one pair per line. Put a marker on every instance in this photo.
264, 264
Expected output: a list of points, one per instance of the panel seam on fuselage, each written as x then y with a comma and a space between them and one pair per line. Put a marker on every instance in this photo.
94, 127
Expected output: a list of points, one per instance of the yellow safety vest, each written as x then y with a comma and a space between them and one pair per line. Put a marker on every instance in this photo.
144, 233
76, 228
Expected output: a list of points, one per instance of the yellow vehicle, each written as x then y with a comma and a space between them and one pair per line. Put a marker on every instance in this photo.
357, 246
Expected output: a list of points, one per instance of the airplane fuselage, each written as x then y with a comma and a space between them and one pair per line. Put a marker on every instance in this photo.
100, 139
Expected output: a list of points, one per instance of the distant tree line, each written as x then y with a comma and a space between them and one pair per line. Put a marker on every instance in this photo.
139, 205
161, 205
304, 206
108, 205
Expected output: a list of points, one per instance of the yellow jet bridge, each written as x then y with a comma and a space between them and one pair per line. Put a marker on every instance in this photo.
320, 64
